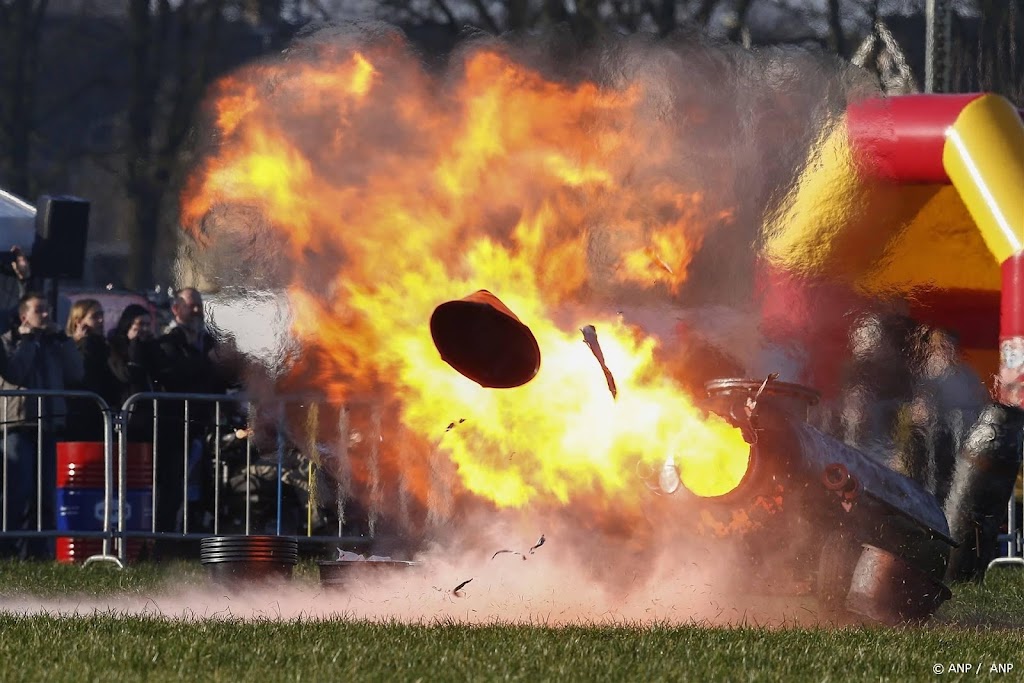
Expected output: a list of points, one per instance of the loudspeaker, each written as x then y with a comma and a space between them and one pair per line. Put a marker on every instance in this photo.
62, 231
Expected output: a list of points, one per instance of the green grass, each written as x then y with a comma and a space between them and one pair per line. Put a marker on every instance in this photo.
983, 623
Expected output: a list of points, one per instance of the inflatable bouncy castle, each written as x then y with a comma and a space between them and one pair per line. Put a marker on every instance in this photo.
920, 197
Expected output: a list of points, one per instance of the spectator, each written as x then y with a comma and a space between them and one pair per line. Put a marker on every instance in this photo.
948, 399
189, 365
878, 382
35, 356
85, 328
16, 266
135, 362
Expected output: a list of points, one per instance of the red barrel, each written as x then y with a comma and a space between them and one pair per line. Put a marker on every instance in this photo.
80, 478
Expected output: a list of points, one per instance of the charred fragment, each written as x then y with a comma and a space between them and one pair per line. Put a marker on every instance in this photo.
483, 340
590, 339
538, 544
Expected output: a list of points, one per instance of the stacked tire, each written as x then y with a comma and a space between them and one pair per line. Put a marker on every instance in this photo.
244, 559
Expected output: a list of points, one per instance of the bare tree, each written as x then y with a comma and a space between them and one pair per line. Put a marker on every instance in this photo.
999, 57
171, 49
738, 20
21, 25
837, 39
586, 18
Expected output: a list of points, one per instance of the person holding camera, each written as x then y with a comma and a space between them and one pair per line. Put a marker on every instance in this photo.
14, 263
36, 356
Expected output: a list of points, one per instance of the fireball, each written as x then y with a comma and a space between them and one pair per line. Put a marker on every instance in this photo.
389, 189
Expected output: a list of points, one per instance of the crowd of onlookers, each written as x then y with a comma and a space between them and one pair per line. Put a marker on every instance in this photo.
36, 355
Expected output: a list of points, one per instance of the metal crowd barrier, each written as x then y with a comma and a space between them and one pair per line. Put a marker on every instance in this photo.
43, 431
188, 532
115, 426
113, 532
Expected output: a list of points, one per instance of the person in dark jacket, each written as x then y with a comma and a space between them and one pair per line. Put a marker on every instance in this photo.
85, 328
36, 355
135, 362
16, 265
188, 352
190, 349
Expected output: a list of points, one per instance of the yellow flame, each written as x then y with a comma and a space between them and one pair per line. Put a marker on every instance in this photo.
499, 182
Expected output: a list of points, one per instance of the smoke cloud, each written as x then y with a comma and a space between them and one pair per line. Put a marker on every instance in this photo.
687, 143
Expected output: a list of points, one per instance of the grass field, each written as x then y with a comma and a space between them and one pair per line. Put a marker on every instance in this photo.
983, 625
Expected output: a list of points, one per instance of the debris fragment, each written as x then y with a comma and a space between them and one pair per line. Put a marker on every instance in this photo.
346, 556
505, 551
750, 430
661, 262
451, 425
753, 403
540, 542
455, 591
590, 339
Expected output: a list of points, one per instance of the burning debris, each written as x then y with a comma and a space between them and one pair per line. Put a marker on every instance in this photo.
483, 340
501, 552
752, 403
749, 426
534, 547
590, 339
514, 188
539, 543
503, 197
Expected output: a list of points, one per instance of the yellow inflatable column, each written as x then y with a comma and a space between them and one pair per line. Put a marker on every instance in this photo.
984, 157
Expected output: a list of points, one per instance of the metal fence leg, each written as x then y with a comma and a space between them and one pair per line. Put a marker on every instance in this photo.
216, 469
4, 500
280, 466
1015, 548
108, 503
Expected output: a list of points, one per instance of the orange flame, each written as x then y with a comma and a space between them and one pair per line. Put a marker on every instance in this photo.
422, 190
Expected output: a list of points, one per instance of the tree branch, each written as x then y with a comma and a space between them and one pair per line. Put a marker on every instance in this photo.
835, 28
447, 12
704, 12
742, 9
485, 16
